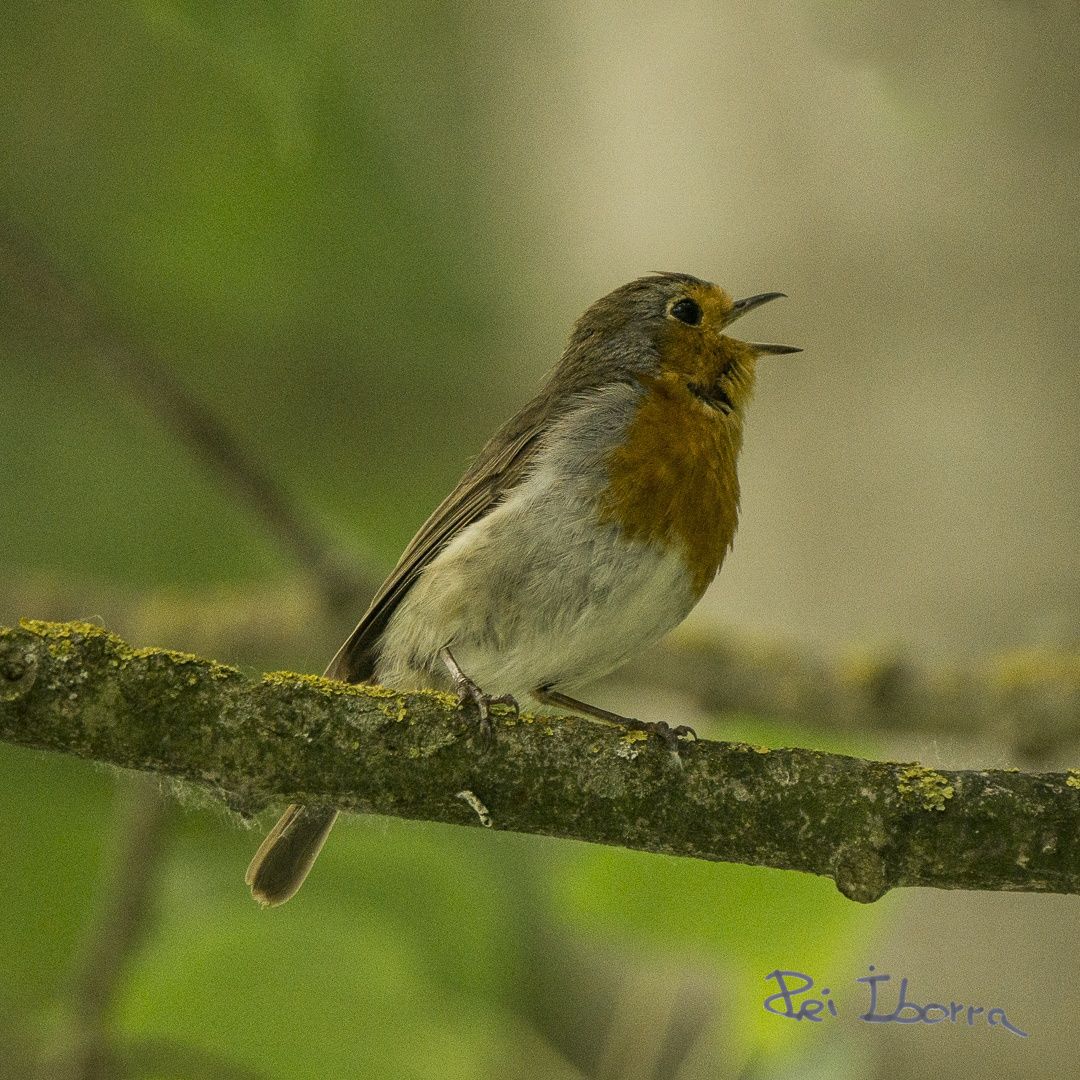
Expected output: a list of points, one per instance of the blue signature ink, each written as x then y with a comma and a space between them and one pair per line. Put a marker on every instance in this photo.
796, 984
921, 1014
809, 1009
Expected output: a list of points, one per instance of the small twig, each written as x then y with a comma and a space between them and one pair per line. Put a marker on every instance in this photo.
481, 810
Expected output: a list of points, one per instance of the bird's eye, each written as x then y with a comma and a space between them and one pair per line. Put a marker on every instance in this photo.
687, 311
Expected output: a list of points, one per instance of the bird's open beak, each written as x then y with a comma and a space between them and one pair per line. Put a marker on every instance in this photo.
741, 307
774, 350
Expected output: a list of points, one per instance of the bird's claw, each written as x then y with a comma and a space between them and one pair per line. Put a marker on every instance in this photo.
668, 734
469, 691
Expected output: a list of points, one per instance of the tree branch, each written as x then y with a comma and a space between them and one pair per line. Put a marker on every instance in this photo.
1026, 701
871, 826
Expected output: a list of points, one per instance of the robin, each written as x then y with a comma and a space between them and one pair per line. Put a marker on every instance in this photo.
589, 526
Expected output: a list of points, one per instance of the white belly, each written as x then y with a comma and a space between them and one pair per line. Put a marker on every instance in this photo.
530, 597
537, 593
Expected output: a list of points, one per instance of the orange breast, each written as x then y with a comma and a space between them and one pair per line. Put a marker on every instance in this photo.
673, 480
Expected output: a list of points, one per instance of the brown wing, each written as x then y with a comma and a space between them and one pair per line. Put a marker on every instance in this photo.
499, 467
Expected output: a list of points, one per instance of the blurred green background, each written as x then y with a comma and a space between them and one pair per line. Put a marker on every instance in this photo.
359, 233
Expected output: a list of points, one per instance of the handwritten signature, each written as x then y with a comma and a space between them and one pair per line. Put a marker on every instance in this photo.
793, 985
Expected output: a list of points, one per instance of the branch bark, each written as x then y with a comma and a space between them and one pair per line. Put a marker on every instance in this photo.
870, 826
1025, 705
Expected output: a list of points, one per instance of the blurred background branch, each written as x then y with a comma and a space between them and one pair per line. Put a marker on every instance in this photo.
123, 918
67, 312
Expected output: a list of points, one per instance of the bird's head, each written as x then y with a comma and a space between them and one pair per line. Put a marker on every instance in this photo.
672, 327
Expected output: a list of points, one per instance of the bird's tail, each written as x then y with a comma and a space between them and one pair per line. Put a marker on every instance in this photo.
285, 856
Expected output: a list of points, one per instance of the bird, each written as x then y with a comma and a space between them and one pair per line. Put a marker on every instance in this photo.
589, 526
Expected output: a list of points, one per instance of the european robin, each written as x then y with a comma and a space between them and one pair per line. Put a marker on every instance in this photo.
589, 526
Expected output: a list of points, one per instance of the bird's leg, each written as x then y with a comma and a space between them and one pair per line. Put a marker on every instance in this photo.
469, 691
669, 734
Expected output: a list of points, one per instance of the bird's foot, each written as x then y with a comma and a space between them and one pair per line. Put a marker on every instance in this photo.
669, 735
469, 691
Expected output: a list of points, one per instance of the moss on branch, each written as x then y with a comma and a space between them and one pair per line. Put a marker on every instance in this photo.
870, 826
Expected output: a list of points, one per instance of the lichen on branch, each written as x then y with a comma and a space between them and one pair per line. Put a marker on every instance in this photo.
870, 826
